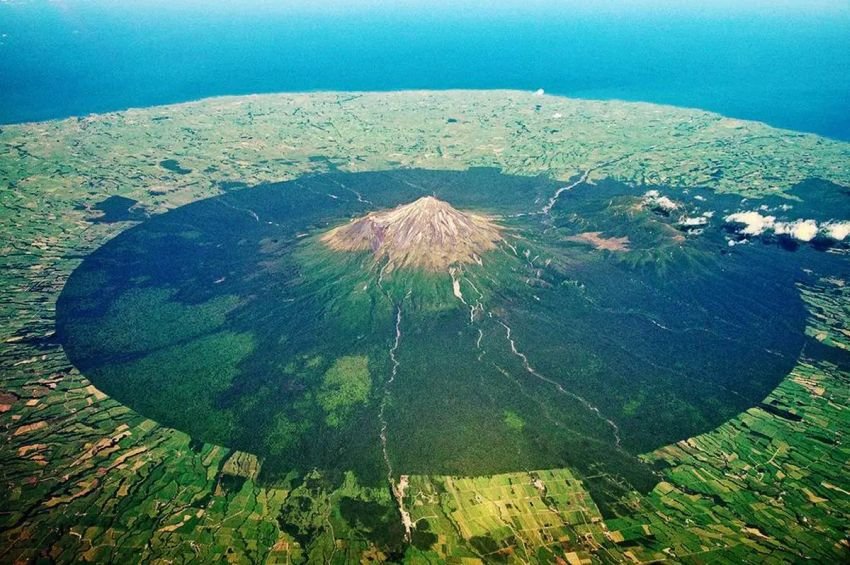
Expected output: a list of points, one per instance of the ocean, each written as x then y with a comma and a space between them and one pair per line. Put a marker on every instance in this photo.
790, 69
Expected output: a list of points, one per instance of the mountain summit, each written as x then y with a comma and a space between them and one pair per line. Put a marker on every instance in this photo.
428, 234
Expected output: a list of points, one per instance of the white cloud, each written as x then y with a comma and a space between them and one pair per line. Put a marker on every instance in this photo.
666, 203
754, 223
836, 230
695, 221
801, 230
654, 198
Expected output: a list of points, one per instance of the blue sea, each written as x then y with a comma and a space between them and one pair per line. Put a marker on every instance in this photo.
789, 67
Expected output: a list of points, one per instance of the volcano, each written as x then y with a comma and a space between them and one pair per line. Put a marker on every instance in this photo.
428, 233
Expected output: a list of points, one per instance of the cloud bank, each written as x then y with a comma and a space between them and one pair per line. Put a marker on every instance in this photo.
753, 223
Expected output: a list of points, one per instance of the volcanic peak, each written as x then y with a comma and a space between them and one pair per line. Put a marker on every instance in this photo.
427, 233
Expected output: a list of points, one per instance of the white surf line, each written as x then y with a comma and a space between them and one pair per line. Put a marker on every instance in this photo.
584, 402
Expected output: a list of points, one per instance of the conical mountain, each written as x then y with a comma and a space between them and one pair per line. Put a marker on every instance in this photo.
429, 234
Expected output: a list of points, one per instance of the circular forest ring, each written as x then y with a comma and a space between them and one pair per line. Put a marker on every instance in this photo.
578, 331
